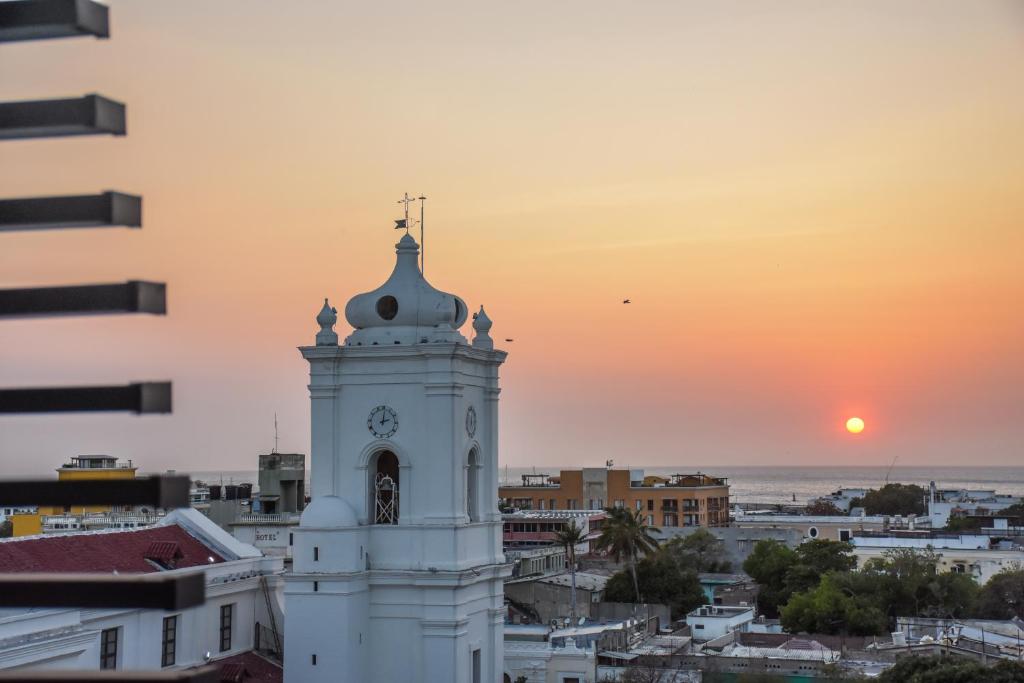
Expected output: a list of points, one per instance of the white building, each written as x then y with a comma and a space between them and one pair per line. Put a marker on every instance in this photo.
397, 561
942, 503
956, 554
714, 621
183, 542
842, 499
546, 662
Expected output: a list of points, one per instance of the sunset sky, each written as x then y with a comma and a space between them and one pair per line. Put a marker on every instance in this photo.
817, 210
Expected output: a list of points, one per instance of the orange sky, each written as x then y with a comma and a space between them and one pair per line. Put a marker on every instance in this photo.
816, 209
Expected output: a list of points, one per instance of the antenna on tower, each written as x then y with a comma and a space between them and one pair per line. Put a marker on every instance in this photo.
423, 248
404, 222
275, 433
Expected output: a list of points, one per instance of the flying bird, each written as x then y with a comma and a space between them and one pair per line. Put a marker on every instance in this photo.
510, 340
626, 301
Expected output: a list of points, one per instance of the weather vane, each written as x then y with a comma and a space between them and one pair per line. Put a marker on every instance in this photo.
404, 223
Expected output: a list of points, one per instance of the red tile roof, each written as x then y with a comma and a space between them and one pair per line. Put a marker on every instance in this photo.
249, 667
121, 551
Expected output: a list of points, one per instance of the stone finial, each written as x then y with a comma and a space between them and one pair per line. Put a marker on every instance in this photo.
482, 325
326, 318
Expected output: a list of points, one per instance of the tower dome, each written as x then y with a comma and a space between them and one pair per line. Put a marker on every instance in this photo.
406, 309
328, 512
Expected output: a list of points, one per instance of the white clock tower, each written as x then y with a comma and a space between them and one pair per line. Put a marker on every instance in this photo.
398, 567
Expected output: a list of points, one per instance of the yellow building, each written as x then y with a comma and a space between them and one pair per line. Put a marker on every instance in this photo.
80, 468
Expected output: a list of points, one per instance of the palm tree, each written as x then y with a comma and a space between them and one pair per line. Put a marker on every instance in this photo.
570, 536
624, 533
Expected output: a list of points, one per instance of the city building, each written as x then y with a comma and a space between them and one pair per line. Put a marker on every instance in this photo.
397, 561
682, 500
270, 522
549, 596
978, 555
241, 598
843, 499
714, 621
944, 503
282, 481
532, 528
79, 468
831, 528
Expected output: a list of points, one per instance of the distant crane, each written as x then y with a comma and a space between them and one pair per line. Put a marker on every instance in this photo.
891, 465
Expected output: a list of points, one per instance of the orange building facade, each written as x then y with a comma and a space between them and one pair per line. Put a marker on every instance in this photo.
681, 500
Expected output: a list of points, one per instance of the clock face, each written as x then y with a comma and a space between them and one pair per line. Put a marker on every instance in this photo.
383, 422
471, 421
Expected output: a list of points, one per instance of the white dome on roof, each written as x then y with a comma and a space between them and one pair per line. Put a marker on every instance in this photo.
328, 512
406, 309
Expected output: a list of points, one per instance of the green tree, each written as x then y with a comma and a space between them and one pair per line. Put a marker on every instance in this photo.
908, 582
951, 669
1002, 597
893, 499
962, 524
1015, 511
813, 559
701, 551
824, 508
831, 607
768, 565
6, 528
662, 580
625, 534
570, 536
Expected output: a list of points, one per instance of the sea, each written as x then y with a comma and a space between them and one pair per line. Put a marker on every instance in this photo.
772, 484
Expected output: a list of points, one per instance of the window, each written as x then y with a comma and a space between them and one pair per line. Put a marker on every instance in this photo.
619, 503
314, 660
813, 532
650, 520
108, 648
476, 666
385, 488
316, 586
650, 503
571, 504
844, 535
316, 553
225, 627
473, 472
170, 636
552, 506
639, 504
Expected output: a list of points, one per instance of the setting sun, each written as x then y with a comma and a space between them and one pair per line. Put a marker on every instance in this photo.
855, 425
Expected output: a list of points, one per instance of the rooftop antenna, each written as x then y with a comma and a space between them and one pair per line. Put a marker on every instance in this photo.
275, 434
404, 223
423, 249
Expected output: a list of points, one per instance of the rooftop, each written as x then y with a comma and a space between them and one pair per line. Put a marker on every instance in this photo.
96, 462
249, 667
104, 551
584, 580
720, 611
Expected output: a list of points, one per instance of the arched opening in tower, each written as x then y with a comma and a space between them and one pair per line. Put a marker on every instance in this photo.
385, 488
